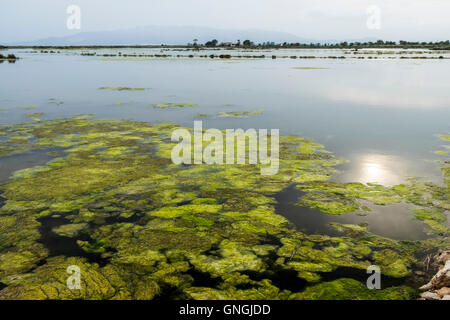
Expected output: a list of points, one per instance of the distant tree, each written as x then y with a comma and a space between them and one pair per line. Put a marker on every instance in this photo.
247, 43
211, 43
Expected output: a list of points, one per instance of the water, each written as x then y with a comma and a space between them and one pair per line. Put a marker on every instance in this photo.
380, 114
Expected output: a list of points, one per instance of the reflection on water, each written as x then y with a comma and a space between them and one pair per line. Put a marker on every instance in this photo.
375, 168
387, 170
394, 221
21, 161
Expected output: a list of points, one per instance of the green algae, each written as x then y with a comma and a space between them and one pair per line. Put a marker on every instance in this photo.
262, 290
233, 258
435, 218
35, 116
338, 198
171, 105
445, 137
155, 222
241, 114
349, 289
391, 262
70, 230
19, 249
49, 282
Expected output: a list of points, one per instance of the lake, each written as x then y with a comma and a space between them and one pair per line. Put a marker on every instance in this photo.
380, 112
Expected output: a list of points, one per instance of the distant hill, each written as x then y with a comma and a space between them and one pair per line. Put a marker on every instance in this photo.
168, 35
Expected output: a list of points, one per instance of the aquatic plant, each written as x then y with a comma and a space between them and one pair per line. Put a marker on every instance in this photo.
349, 289
170, 105
242, 114
140, 226
70, 230
35, 116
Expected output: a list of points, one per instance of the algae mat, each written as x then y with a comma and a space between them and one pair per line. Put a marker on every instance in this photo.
111, 202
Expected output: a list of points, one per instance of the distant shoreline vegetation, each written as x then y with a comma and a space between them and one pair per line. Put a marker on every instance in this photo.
439, 45
9, 57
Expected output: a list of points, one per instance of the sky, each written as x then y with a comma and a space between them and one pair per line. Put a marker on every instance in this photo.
416, 20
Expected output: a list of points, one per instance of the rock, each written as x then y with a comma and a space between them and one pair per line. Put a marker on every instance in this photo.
430, 296
442, 278
426, 287
445, 291
439, 286
444, 257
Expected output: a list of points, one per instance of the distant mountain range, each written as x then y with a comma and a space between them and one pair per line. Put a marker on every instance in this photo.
171, 35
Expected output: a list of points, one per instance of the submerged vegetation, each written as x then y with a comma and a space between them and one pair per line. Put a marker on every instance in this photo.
140, 227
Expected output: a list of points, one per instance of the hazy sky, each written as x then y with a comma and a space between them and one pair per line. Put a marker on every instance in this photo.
318, 19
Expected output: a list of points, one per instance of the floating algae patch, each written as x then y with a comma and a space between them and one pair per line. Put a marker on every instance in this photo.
35, 116
441, 152
445, 137
339, 198
170, 105
121, 89
140, 227
69, 230
348, 289
243, 114
435, 218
